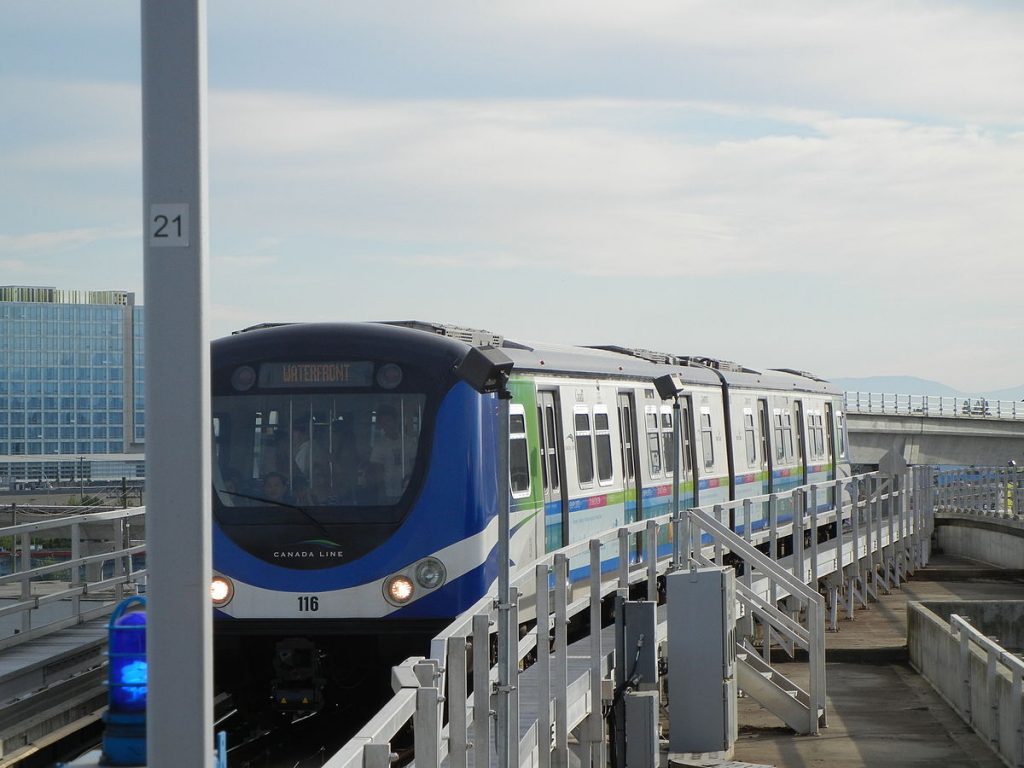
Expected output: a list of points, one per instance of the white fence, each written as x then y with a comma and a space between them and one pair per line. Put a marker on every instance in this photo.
981, 491
993, 703
92, 572
981, 680
932, 405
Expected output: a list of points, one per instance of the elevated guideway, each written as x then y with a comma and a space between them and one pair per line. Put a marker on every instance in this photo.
926, 430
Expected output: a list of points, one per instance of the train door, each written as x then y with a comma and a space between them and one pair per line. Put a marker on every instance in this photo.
631, 480
830, 442
768, 458
688, 473
801, 439
556, 507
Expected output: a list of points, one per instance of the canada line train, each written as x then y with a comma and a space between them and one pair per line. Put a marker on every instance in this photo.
355, 479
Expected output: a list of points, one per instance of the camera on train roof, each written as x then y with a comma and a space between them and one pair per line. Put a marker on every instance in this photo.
670, 385
485, 369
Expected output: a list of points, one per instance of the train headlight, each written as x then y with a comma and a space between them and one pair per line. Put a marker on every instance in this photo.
430, 574
398, 590
221, 591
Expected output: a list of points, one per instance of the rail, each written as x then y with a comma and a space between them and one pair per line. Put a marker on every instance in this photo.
881, 523
886, 403
981, 491
96, 568
985, 709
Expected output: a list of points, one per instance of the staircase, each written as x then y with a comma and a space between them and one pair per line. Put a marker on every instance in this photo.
773, 690
804, 628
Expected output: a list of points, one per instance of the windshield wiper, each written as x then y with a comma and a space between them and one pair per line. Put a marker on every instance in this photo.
305, 513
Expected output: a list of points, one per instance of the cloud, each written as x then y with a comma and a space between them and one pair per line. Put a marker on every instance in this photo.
589, 186
945, 59
42, 243
71, 125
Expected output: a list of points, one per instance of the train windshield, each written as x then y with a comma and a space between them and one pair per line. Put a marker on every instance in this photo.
330, 452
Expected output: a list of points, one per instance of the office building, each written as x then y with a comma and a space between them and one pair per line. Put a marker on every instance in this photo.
71, 386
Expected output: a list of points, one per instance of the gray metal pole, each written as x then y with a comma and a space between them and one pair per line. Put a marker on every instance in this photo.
179, 645
503, 740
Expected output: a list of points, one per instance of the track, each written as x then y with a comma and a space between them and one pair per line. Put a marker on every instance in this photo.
280, 741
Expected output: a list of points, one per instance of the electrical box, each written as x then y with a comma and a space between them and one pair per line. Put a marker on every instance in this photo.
641, 729
702, 660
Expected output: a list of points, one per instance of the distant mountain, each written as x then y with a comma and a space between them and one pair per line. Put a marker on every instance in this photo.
901, 385
1013, 393
913, 385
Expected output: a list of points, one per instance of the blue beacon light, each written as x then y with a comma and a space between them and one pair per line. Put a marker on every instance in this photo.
124, 740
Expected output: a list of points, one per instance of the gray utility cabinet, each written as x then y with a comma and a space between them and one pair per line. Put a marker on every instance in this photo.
702, 660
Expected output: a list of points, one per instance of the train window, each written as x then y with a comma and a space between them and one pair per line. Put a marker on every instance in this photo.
684, 431
779, 430
603, 443
668, 442
816, 434
653, 440
549, 420
626, 436
317, 450
518, 453
841, 432
750, 436
787, 433
707, 440
543, 448
584, 447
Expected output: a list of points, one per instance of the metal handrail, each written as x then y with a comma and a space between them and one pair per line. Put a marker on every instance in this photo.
981, 491
996, 657
890, 403
84, 569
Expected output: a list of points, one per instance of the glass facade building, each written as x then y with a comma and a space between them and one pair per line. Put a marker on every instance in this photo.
71, 391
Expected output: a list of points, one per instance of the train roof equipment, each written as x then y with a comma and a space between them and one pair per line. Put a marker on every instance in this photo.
603, 360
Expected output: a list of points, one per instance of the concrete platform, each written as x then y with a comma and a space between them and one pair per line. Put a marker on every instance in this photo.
881, 712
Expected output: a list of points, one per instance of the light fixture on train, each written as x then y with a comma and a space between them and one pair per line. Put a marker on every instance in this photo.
242, 378
398, 589
389, 376
221, 591
430, 574
669, 386
485, 369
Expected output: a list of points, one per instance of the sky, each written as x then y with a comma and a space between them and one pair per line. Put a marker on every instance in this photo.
832, 187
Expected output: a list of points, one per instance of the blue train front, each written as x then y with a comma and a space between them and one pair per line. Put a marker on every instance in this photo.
354, 490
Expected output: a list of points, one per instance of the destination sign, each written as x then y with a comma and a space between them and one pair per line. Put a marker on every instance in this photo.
322, 374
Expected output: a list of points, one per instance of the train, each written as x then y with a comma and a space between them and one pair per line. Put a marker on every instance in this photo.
356, 479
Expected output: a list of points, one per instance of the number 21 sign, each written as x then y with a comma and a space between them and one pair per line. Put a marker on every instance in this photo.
168, 225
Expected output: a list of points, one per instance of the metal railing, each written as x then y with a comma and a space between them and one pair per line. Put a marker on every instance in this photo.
932, 405
982, 491
95, 569
576, 676
987, 715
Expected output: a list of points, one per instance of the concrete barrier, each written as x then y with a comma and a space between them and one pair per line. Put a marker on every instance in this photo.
980, 681
993, 540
